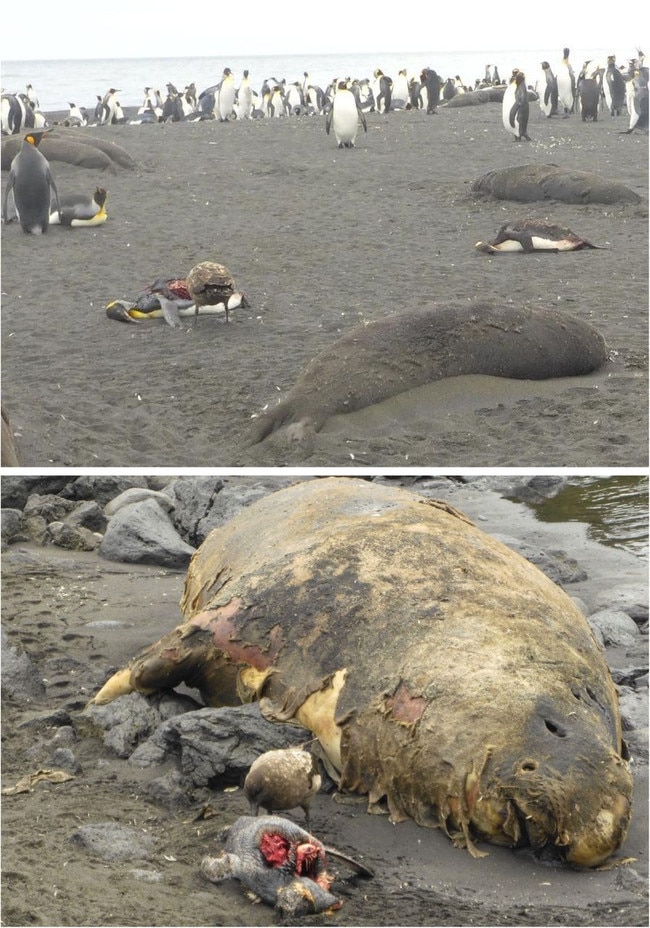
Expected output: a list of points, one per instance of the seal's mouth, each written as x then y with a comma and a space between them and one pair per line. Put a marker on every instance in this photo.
583, 837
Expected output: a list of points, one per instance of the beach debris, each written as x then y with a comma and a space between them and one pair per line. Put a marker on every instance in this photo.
27, 783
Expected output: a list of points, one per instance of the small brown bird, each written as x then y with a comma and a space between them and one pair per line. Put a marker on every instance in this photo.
210, 284
281, 780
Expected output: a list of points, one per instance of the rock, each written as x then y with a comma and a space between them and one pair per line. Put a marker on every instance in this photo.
13, 526
101, 488
557, 565
616, 627
216, 744
65, 759
21, 679
630, 599
125, 722
203, 503
40, 510
143, 534
634, 708
136, 495
71, 537
16, 490
115, 842
89, 515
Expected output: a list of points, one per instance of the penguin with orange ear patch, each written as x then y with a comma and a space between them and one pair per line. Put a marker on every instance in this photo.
31, 181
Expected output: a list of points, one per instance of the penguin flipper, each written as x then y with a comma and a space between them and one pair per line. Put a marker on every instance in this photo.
328, 120
363, 119
170, 314
513, 114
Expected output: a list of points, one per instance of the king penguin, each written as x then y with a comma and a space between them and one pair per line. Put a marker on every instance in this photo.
31, 181
547, 91
81, 210
345, 116
566, 83
515, 107
226, 96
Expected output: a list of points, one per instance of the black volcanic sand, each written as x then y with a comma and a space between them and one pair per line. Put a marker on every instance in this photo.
321, 239
79, 617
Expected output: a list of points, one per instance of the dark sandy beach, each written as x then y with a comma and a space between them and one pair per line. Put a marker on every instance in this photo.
321, 240
78, 617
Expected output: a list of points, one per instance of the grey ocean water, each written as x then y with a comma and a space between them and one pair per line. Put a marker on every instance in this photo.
59, 83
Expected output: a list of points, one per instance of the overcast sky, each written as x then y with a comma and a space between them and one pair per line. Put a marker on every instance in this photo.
140, 28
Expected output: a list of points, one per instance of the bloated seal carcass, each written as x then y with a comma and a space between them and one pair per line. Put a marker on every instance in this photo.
438, 669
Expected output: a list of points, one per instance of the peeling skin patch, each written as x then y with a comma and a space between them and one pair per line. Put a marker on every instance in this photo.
403, 707
227, 638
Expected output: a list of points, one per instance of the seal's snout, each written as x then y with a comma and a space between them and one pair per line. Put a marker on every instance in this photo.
600, 837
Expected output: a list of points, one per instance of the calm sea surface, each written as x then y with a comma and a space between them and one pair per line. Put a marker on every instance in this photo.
614, 508
59, 83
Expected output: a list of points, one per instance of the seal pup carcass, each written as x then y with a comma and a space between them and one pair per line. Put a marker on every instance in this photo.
389, 356
531, 235
281, 780
279, 862
491, 714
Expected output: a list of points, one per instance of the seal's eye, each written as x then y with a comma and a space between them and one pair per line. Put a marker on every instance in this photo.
555, 729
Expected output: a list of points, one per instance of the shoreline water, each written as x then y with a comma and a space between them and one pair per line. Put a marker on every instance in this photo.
60, 82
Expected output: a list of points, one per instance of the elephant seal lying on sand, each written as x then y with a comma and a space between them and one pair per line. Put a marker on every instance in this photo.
440, 671
74, 147
529, 183
407, 350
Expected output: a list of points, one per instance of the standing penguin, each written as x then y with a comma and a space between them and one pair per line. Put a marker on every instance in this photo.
515, 107
245, 98
31, 181
225, 103
637, 97
566, 84
431, 82
345, 115
614, 87
547, 91
383, 91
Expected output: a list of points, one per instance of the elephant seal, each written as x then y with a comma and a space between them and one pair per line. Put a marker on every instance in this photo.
529, 183
279, 862
440, 671
71, 148
407, 350
281, 780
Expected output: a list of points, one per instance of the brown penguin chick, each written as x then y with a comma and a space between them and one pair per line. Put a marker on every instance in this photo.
209, 283
281, 780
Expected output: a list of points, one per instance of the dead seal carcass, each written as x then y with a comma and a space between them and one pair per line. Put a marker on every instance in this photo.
437, 668
407, 350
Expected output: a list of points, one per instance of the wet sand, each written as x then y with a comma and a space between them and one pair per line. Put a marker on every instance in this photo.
79, 617
321, 240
